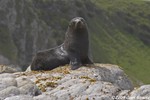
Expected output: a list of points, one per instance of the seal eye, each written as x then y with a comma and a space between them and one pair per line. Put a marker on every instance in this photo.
82, 19
72, 24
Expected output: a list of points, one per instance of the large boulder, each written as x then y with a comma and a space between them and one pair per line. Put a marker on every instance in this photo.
99, 82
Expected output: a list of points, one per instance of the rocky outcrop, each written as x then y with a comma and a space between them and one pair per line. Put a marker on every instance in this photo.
99, 82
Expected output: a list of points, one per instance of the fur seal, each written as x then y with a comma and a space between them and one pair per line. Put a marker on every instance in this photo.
73, 51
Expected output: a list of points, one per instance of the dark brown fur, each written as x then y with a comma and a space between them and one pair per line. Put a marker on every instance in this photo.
74, 50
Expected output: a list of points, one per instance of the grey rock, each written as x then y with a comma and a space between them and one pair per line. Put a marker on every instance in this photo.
11, 85
81, 91
26, 86
9, 91
21, 81
94, 97
99, 82
46, 97
30, 89
124, 93
20, 97
110, 73
141, 93
6, 82
7, 69
5, 75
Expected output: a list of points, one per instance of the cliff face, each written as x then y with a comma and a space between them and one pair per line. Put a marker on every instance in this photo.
29, 26
26, 32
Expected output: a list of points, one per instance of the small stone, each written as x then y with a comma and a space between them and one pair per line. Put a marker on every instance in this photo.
141, 93
26, 86
5, 75
6, 82
45, 97
9, 91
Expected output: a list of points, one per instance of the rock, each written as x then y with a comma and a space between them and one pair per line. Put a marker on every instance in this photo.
81, 89
11, 85
26, 86
124, 93
103, 72
7, 80
7, 69
141, 93
97, 82
101, 81
6, 75
20, 97
45, 97
9, 91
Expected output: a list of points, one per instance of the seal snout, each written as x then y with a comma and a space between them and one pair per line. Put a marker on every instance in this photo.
79, 23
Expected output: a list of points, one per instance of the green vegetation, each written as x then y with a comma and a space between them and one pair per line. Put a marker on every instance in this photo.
120, 35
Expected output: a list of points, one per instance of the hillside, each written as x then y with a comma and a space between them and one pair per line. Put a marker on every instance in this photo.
123, 37
119, 30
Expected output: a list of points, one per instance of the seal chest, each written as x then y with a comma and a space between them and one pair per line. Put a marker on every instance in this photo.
73, 51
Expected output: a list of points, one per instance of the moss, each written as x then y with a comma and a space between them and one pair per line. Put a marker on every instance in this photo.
62, 88
57, 78
51, 84
42, 88
88, 78
87, 98
64, 70
92, 80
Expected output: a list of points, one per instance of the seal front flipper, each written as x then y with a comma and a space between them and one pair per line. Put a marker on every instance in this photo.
75, 62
